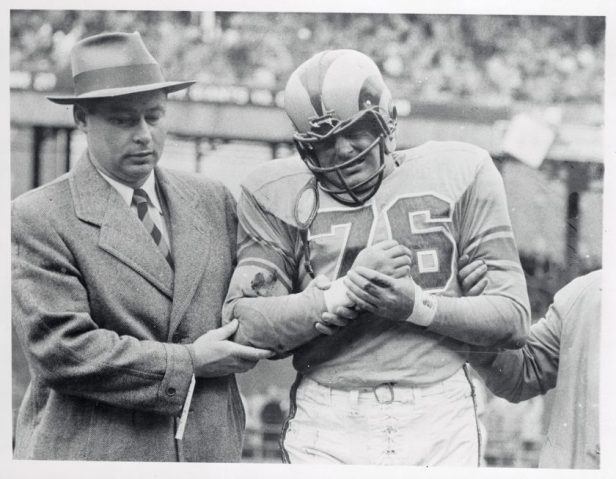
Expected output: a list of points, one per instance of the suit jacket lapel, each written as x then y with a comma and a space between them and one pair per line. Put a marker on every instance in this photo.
121, 233
190, 239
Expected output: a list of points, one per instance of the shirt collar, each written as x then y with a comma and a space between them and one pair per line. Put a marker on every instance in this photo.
126, 192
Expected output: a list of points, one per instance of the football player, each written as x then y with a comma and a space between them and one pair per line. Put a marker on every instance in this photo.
387, 382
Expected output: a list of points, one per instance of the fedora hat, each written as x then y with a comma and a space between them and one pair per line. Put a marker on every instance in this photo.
114, 64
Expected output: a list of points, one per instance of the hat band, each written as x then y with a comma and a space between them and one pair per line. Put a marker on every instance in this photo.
117, 77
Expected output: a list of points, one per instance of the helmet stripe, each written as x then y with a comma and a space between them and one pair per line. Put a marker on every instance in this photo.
312, 78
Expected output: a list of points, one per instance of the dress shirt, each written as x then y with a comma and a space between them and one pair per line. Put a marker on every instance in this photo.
154, 207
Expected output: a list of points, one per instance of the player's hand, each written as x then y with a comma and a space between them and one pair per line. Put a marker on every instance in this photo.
215, 355
472, 276
332, 322
334, 294
385, 296
387, 257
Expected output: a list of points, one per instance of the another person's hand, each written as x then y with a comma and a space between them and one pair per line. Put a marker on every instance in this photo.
382, 295
215, 355
472, 276
387, 257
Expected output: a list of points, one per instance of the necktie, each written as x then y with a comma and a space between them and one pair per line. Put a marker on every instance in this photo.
141, 200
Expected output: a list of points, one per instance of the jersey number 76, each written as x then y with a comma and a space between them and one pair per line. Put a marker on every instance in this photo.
416, 221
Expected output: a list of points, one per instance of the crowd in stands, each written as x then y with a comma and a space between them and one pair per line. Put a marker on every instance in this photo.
489, 59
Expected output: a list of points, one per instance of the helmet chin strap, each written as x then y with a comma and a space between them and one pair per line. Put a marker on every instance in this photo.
304, 214
355, 200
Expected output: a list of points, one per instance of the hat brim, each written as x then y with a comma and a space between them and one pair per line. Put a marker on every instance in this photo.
169, 87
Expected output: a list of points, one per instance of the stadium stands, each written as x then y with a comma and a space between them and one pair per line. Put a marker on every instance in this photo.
491, 59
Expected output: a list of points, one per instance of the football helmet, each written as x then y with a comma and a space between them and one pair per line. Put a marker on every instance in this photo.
325, 96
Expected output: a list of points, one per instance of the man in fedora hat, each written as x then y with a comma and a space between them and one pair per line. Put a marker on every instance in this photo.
120, 269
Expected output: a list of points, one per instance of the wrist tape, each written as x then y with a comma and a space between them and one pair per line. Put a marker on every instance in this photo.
424, 308
336, 296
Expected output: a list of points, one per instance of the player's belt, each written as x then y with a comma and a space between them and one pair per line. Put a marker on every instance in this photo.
386, 393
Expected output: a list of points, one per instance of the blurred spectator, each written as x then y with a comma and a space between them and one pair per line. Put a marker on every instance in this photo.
265, 414
272, 418
496, 59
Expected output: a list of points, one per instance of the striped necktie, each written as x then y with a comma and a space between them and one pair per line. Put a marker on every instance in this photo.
141, 201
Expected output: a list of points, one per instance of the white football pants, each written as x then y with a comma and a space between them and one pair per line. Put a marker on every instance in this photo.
421, 426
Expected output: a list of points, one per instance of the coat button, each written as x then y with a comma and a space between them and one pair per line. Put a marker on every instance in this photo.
171, 391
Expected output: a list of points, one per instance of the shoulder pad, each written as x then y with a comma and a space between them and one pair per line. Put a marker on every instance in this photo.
455, 150
448, 154
275, 185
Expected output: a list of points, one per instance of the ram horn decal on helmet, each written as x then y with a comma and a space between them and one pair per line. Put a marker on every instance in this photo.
325, 96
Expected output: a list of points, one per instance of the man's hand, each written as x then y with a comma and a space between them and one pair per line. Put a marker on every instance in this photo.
382, 295
215, 355
332, 322
472, 276
387, 257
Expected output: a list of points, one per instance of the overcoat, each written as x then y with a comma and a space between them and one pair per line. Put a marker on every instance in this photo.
104, 321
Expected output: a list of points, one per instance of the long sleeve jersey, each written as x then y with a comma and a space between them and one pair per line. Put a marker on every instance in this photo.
441, 201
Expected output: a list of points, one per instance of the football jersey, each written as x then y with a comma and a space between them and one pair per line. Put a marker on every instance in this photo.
442, 200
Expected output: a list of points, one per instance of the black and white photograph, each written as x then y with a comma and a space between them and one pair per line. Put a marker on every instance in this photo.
248, 236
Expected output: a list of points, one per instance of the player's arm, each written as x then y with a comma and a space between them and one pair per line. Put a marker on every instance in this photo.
515, 375
278, 323
500, 316
261, 293
521, 374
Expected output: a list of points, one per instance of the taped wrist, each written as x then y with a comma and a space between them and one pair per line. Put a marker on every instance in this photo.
336, 296
424, 308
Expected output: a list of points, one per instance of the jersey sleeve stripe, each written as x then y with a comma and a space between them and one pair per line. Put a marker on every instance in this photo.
265, 248
494, 247
489, 231
504, 265
489, 234
489, 237
262, 249
270, 267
